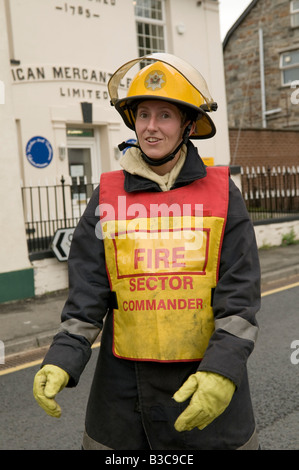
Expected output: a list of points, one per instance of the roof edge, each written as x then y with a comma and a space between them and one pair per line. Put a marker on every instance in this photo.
238, 22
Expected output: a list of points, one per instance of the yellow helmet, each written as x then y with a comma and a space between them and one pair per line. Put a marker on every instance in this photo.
170, 79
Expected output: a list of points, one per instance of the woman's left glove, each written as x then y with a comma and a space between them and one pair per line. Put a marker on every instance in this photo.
49, 381
212, 394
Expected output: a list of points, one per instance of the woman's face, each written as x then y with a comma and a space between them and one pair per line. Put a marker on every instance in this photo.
158, 127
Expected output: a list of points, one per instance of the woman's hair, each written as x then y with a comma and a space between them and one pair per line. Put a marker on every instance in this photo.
186, 113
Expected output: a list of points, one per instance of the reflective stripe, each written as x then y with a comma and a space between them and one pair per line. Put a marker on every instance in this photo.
81, 328
237, 326
91, 444
251, 444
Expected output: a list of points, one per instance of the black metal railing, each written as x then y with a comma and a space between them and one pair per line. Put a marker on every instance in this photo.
271, 193
49, 208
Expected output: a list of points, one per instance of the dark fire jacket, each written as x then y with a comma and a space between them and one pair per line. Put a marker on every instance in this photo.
130, 406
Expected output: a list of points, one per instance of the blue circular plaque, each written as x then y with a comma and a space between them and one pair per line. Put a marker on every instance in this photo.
39, 152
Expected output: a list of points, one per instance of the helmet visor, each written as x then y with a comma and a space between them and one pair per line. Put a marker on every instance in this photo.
186, 70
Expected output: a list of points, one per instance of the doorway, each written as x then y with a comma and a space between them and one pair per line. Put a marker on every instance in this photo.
83, 163
80, 173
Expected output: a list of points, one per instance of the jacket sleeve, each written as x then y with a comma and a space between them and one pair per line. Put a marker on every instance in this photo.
236, 298
88, 300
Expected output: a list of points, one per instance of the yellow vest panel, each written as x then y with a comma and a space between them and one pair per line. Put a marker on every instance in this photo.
162, 259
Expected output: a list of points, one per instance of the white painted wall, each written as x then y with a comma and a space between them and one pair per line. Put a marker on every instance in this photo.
13, 249
82, 47
50, 275
272, 234
92, 37
201, 46
84, 50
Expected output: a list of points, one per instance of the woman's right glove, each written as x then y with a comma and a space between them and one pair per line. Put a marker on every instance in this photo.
211, 394
48, 381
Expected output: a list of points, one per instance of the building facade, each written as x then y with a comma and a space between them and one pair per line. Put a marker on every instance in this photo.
58, 127
261, 55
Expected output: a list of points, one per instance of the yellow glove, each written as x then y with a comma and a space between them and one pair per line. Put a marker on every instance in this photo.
212, 394
47, 383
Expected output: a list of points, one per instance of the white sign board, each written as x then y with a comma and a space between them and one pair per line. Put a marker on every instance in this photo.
62, 242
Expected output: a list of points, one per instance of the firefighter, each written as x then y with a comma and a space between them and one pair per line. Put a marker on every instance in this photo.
164, 265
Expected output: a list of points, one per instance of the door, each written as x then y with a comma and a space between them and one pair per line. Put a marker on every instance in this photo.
80, 172
84, 165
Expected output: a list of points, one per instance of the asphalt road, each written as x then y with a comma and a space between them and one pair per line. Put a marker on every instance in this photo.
273, 372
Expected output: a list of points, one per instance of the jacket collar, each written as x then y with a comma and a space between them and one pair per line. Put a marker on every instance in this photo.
192, 170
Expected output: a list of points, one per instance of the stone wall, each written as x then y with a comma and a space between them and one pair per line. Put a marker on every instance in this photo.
242, 67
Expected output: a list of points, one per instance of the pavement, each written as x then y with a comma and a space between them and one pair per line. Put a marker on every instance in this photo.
30, 324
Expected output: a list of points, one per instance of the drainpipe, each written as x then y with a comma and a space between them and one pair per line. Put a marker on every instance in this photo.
262, 74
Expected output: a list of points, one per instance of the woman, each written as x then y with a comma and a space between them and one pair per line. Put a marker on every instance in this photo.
173, 269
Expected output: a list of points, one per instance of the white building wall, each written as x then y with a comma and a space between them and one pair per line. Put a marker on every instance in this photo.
13, 248
66, 53
194, 31
63, 53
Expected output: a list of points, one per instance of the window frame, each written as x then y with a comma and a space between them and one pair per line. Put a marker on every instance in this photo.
294, 12
150, 22
284, 67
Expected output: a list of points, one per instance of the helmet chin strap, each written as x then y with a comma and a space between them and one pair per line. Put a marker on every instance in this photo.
167, 158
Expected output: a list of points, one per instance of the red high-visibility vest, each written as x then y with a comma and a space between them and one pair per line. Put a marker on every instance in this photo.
162, 254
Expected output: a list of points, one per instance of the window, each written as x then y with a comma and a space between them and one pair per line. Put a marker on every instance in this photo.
295, 13
289, 64
150, 26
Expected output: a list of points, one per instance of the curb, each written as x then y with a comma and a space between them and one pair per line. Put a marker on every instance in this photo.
282, 274
20, 345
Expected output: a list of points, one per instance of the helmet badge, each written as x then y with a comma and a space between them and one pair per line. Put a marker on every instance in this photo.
155, 80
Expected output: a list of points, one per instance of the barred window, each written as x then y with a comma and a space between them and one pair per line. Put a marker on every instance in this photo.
150, 26
294, 13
